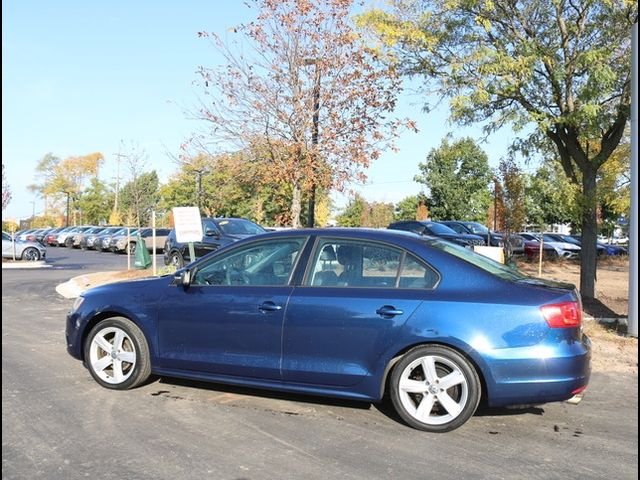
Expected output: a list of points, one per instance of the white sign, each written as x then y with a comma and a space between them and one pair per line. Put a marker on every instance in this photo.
188, 224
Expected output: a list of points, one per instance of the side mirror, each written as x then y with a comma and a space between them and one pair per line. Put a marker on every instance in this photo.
211, 233
182, 278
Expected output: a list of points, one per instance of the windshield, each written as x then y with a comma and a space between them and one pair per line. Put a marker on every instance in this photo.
438, 229
552, 238
234, 226
480, 261
569, 239
477, 228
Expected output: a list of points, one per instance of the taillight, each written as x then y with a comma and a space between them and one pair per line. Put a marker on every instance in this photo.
31, 238
562, 315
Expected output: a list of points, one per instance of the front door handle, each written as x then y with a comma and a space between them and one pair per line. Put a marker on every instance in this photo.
269, 307
388, 311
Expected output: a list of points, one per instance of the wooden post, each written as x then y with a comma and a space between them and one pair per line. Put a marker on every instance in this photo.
541, 252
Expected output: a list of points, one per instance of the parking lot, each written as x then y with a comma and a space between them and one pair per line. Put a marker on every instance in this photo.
57, 422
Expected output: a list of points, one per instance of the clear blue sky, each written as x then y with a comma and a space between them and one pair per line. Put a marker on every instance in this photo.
80, 77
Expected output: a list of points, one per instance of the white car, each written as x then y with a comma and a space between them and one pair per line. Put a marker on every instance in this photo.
29, 251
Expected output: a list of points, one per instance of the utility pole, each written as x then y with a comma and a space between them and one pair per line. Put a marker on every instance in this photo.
118, 156
314, 139
632, 328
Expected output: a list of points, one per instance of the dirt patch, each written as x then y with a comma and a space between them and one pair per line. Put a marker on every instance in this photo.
612, 283
611, 351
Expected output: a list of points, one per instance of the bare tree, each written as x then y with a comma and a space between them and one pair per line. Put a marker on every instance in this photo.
300, 89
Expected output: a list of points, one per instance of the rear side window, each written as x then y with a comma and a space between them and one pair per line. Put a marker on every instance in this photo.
351, 263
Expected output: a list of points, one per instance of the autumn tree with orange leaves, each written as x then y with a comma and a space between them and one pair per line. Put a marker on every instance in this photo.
297, 59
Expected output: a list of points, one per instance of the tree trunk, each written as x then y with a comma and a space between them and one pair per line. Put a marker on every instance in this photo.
588, 253
296, 205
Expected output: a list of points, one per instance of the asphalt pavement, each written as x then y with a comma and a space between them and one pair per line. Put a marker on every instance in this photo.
57, 423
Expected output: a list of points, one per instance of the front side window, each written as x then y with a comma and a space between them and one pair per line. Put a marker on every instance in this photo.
265, 263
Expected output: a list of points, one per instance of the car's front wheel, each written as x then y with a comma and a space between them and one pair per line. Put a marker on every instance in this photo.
435, 388
117, 354
31, 254
176, 260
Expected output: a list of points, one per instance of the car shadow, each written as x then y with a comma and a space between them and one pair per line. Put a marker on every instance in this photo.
385, 407
270, 394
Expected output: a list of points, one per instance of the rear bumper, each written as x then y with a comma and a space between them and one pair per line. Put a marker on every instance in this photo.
540, 374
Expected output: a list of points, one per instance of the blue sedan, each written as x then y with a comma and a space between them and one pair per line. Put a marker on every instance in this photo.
348, 313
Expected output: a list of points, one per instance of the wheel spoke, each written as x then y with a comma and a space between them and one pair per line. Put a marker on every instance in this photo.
118, 376
449, 404
103, 343
429, 368
412, 386
101, 364
425, 407
451, 380
118, 339
129, 357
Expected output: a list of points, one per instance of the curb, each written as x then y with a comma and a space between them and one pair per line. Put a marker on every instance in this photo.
77, 285
25, 265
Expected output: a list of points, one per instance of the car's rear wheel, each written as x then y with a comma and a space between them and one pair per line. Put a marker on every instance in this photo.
31, 254
117, 354
435, 388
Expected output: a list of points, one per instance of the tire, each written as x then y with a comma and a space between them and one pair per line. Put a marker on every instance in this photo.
132, 248
68, 243
416, 385
133, 366
176, 259
30, 254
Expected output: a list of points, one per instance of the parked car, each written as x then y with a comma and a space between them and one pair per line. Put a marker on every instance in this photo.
51, 238
347, 313
120, 240
564, 249
88, 240
61, 240
24, 250
73, 239
495, 239
600, 250
438, 230
609, 249
218, 232
103, 240
79, 238
147, 235
26, 235
532, 251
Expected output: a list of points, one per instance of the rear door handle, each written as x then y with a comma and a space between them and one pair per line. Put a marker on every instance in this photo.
269, 307
388, 311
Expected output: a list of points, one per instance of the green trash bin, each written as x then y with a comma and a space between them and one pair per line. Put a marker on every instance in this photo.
142, 258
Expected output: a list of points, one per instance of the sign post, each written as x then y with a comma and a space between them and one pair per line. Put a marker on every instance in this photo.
188, 225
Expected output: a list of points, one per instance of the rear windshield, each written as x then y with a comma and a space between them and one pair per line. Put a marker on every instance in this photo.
480, 261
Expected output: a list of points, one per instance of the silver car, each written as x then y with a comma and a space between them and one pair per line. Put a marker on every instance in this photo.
29, 251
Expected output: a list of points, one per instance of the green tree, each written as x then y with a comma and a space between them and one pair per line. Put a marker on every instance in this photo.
96, 202
457, 177
139, 197
407, 208
562, 65
354, 212
378, 215
550, 197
